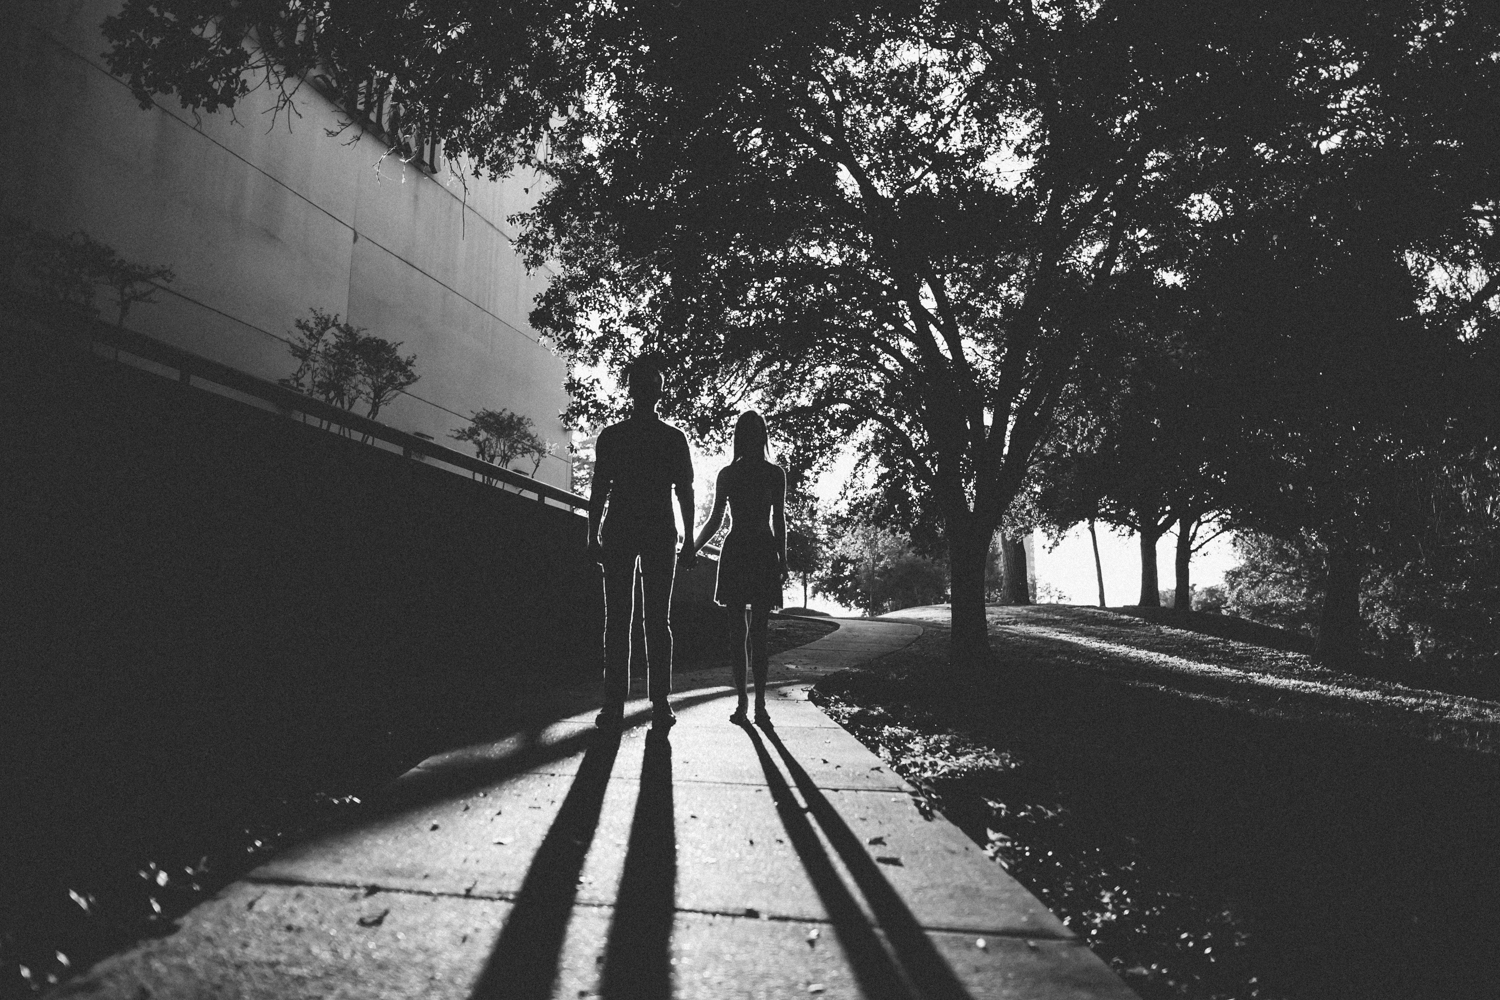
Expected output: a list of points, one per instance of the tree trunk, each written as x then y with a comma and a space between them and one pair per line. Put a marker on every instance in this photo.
1150, 587
1015, 587
968, 550
1182, 599
1338, 632
1098, 566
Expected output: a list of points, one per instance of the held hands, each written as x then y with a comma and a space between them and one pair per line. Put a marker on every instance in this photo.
688, 556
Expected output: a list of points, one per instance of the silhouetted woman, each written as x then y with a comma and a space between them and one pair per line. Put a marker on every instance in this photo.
752, 564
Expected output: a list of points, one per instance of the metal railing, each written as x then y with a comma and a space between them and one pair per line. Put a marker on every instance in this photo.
192, 367
291, 404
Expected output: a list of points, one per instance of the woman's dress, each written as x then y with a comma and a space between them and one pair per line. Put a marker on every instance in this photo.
749, 562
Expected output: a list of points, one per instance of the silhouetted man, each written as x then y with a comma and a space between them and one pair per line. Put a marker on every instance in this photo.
638, 464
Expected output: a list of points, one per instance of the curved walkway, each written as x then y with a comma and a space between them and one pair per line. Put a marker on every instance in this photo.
721, 862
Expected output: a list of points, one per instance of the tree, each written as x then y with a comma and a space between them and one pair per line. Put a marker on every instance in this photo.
501, 437
1143, 445
877, 569
68, 271
898, 226
342, 364
898, 218
804, 536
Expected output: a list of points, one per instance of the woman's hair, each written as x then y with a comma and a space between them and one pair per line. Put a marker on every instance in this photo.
750, 438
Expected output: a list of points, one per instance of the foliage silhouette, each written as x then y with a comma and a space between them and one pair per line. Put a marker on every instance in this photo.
341, 364
501, 437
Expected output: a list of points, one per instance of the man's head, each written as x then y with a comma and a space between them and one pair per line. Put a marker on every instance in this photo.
644, 382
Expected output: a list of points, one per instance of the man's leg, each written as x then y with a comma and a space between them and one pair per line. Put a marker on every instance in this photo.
619, 587
657, 572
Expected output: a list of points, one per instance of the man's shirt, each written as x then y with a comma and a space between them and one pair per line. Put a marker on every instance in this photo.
642, 459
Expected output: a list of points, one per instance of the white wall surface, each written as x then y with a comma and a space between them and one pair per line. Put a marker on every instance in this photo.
263, 220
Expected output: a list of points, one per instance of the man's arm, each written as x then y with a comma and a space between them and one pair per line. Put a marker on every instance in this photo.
683, 486
685, 504
715, 517
778, 516
599, 492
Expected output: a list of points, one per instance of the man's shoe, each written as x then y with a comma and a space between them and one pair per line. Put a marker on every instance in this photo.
662, 716
611, 718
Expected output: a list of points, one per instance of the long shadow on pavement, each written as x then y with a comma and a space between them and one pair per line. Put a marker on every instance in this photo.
877, 974
456, 780
523, 965
638, 957
927, 970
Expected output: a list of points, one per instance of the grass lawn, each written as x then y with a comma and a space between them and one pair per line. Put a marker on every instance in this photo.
1213, 813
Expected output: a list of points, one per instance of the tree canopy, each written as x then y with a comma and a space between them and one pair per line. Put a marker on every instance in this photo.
902, 222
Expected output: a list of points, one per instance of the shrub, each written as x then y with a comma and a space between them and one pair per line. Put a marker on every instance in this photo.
341, 364
501, 437
68, 271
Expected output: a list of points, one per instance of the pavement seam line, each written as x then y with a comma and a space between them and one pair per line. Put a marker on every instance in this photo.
510, 897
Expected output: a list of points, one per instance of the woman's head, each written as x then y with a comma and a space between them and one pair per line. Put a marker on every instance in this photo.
750, 437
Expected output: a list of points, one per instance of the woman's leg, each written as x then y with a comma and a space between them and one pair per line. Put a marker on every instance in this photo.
740, 626
757, 621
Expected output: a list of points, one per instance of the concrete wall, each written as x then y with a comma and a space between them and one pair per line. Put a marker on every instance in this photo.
264, 218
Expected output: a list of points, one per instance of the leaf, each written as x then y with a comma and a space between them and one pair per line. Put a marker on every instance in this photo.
889, 859
374, 921
812, 937
876, 841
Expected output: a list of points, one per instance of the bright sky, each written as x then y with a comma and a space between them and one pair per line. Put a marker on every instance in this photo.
1070, 566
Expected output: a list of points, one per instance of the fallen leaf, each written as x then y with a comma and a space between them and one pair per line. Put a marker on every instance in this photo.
981, 944
371, 890
751, 911
432, 827
889, 859
876, 841
815, 988
500, 841
812, 937
1031, 944
374, 921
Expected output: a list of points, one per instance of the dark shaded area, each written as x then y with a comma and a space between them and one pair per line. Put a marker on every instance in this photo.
638, 956
927, 970
1203, 849
877, 975
523, 965
222, 627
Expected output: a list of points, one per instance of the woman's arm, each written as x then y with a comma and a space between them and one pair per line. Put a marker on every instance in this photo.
711, 527
778, 515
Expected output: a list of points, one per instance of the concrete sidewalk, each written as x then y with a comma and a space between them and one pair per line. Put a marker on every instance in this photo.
720, 862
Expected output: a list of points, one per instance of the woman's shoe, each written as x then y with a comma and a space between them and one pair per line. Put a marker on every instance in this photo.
762, 717
738, 717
